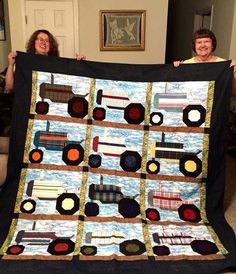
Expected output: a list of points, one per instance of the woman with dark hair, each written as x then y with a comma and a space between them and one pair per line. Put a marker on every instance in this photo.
204, 44
204, 33
40, 42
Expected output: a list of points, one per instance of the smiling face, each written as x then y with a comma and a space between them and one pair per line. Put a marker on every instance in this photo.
42, 44
203, 47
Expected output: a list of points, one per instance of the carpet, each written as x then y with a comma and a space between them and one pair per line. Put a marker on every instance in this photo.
116, 168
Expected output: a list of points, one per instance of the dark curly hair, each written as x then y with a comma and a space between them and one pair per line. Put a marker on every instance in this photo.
204, 33
53, 44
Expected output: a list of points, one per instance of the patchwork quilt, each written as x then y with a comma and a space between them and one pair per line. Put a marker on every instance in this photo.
116, 168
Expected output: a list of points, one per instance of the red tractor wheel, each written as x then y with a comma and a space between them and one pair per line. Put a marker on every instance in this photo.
78, 107
42, 108
153, 214
61, 247
134, 113
189, 213
15, 249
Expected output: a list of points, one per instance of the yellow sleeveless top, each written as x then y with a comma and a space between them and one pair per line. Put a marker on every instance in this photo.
192, 60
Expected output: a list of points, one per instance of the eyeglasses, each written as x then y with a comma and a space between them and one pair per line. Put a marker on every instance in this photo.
41, 40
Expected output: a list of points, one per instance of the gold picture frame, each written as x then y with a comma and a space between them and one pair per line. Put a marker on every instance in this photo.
122, 30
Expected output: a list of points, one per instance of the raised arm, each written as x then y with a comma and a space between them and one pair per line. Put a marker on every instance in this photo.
233, 64
9, 80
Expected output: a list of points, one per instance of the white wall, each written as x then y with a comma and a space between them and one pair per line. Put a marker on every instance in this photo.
223, 17
17, 20
232, 53
224, 26
156, 24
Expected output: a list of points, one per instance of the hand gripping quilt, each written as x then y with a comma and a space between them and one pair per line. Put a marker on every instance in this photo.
116, 168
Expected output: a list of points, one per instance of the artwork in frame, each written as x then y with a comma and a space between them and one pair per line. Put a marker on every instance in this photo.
122, 30
2, 22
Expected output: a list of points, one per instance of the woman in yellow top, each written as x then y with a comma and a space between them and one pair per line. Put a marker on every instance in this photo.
204, 44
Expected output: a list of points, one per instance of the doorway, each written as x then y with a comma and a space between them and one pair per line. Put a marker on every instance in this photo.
58, 18
203, 19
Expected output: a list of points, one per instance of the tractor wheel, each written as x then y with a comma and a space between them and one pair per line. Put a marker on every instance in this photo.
132, 247
130, 160
128, 208
204, 247
91, 209
73, 154
134, 113
190, 165
189, 213
88, 250
36, 156
153, 214
78, 107
153, 167
61, 247
42, 108
15, 249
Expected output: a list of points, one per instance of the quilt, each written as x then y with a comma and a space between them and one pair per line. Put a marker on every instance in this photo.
116, 168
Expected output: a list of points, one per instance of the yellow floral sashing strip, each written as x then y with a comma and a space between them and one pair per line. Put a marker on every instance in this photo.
143, 170
203, 202
34, 91
211, 90
217, 240
83, 191
205, 149
31, 122
205, 154
91, 97
21, 188
28, 140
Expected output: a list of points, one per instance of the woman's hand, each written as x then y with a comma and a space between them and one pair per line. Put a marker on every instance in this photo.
80, 56
177, 63
11, 58
233, 64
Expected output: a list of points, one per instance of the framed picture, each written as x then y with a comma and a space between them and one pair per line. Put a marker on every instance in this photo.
122, 29
2, 22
